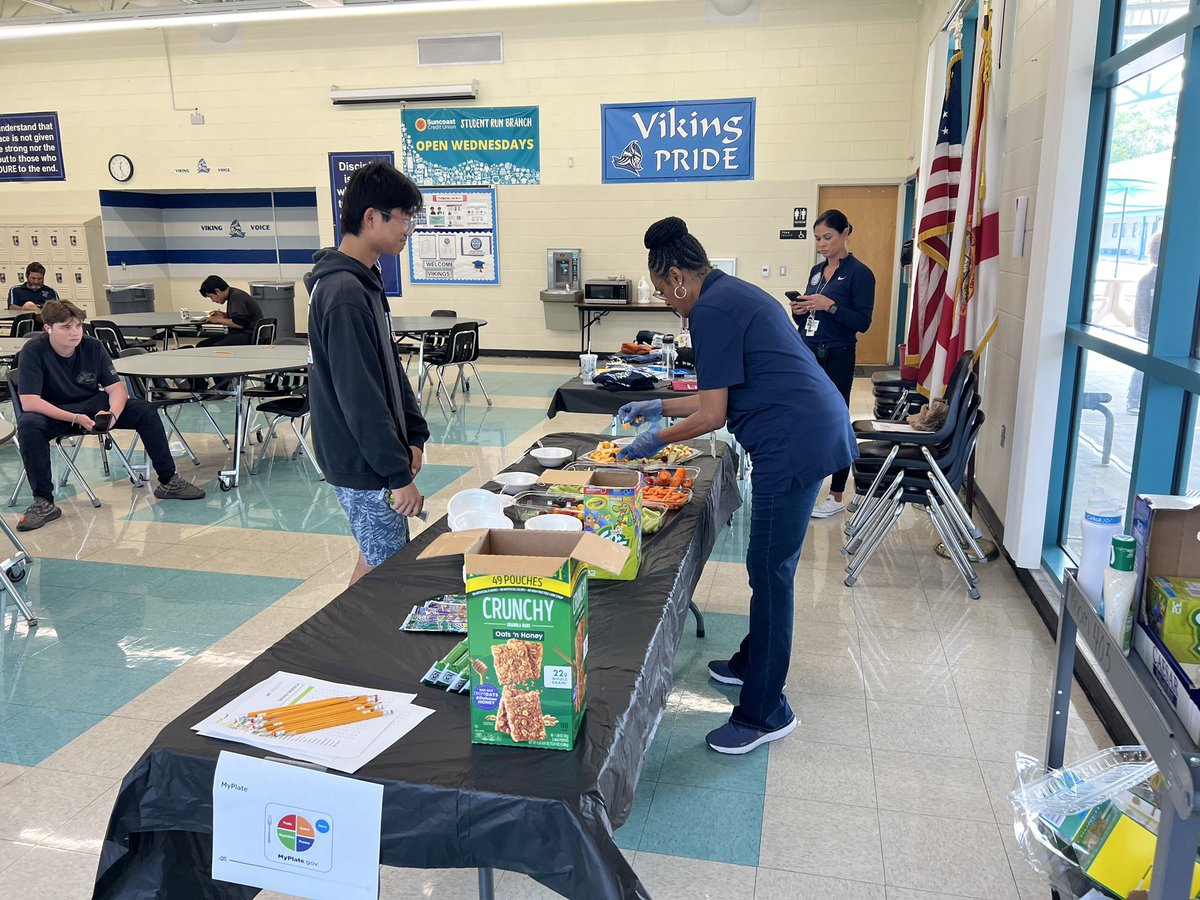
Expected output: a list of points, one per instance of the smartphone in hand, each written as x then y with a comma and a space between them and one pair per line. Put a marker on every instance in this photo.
103, 420
792, 295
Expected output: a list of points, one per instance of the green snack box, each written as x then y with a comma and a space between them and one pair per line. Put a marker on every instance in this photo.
1173, 612
527, 605
612, 504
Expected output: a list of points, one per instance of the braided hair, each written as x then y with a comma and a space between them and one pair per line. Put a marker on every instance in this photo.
670, 244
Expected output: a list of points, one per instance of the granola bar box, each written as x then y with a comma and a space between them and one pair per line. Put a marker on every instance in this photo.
527, 615
612, 508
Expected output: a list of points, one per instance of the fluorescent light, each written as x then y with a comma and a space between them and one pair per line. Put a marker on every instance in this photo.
250, 11
353, 96
323, 3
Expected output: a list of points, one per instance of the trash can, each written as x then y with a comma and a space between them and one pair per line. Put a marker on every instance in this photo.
130, 298
277, 299
559, 309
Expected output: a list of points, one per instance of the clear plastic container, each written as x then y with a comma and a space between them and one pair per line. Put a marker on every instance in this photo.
1086, 782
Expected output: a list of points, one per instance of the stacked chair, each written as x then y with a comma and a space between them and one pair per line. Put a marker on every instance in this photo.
897, 468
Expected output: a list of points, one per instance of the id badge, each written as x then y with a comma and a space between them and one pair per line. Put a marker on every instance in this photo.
811, 324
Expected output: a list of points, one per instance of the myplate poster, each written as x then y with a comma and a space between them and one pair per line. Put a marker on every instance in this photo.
688, 140
479, 145
455, 238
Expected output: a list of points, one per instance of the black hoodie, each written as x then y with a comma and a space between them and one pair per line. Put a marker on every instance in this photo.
364, 413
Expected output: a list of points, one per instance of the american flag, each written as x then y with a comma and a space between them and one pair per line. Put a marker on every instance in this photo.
970, 306
936, 226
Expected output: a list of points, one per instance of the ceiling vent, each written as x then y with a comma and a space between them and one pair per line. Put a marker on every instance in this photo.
460, 49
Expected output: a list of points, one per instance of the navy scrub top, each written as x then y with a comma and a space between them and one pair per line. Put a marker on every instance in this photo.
783, 409
852, 288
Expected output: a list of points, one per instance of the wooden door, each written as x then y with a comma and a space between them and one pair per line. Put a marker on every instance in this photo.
872, 210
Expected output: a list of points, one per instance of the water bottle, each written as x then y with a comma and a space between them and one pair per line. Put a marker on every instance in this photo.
1101, 523
668, 355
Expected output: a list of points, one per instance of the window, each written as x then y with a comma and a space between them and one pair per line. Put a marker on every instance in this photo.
1143, 111
1132, 423
1102, 456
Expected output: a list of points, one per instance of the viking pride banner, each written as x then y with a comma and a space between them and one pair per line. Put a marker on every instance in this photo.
488, 145
693, 140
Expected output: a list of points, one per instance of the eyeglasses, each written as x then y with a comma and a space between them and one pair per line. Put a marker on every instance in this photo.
409, 224
659, 295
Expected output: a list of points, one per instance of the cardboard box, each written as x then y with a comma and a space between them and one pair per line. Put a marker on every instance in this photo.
612, 503
1170, 678
1167, 530
1172, 610
527, 605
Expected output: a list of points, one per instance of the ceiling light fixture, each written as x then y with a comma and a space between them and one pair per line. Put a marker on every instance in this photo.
133, 18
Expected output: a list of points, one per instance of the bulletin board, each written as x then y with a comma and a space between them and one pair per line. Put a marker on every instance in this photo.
455, 239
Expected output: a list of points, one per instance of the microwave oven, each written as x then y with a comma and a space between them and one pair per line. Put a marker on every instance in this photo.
608, 290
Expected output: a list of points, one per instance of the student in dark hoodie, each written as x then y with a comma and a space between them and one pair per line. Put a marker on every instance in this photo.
368, 431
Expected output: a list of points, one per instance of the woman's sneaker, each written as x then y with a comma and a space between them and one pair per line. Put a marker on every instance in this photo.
828, 507
39, 513
720, 670
737, 739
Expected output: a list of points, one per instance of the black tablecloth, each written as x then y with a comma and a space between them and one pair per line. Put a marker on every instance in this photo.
576, 397
447, 802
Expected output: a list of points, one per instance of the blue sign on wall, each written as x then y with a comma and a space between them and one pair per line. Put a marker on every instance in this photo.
30, 149
479, 145
689, 140
341, 167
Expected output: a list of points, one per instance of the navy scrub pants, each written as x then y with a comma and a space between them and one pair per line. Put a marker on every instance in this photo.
778, 522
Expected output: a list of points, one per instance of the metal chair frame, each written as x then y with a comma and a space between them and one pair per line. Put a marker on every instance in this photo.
461, 349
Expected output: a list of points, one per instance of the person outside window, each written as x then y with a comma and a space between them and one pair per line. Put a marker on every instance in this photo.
368, 431
67, 380
756, 376
836, 309
34, 292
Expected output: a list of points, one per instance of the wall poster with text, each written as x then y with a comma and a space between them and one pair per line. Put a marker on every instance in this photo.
341, 167
31, 147
476, 145
687, 140
455, 238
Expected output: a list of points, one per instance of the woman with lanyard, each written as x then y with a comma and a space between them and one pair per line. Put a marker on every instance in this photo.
831, 316
756, 377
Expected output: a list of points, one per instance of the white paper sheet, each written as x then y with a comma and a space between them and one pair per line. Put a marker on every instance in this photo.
288, 828
346, 748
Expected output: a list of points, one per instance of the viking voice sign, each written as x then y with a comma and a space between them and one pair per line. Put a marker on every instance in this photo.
695, 140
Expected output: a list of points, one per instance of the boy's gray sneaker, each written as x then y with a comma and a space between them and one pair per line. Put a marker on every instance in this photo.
39, 513
178, 489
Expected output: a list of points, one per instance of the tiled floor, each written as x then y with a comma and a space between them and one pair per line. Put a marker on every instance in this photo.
913, 698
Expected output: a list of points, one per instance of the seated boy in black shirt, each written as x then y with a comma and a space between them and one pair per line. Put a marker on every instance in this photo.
67, 380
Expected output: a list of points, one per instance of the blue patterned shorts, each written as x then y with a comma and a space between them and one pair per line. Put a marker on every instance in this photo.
379, 529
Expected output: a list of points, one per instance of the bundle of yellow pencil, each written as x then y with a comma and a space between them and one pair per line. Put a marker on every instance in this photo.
316, 715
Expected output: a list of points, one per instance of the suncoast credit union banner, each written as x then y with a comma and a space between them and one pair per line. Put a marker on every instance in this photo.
688, 140
483, 145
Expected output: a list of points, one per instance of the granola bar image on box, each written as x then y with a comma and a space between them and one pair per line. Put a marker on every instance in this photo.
517, 661
502, 724
523, 714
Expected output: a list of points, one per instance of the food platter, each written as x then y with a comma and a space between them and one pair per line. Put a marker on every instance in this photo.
673, 454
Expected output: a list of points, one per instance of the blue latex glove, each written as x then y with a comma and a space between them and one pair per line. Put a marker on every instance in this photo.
640, 411
644, 446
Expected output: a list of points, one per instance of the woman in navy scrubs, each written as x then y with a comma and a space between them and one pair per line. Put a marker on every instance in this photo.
836, 309
756, 376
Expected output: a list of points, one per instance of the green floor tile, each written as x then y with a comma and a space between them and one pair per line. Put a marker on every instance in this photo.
32, 734
703, 823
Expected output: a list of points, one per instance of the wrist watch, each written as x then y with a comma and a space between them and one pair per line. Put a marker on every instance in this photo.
833, 308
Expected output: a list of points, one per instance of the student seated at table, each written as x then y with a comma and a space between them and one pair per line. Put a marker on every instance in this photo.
33, 292
241, 313
67, 381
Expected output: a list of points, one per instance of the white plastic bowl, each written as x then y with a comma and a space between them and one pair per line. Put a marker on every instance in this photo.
553, 522
480, 518
515, 482
551, 457
472, 499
